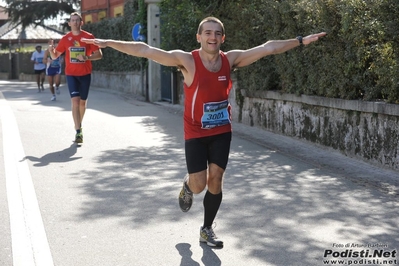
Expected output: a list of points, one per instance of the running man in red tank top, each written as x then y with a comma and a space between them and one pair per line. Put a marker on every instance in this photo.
207, 121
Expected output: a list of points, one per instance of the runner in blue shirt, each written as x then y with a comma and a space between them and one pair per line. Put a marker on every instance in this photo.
39, 66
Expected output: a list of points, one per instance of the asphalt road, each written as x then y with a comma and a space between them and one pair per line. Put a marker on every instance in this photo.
113, 200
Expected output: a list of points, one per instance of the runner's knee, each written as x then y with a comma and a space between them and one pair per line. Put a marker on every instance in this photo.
197, 181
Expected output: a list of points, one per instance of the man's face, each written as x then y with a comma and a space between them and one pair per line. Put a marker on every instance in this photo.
39, 49
211, 37
75, 22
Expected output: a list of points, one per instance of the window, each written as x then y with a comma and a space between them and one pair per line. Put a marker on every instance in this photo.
102, 15
118, 11
88, 19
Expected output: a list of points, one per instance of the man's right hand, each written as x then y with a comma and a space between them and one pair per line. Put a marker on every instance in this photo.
98, 42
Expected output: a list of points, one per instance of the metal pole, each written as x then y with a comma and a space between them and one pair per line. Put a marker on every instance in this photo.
10, 57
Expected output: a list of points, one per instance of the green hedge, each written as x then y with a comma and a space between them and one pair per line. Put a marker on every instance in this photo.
119, 29
358, 59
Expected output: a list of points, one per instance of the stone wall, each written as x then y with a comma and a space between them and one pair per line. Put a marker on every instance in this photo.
4, 76
32, 77
128, 82
365, 130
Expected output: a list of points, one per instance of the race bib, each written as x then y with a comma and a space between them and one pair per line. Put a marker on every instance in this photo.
216, 114
55, 63
74, 52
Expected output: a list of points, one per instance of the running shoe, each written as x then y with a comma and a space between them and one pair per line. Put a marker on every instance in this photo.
58, 90
185, 197
53, 98
79, 138
208, 236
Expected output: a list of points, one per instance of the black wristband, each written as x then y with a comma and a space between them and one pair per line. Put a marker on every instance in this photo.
299, 38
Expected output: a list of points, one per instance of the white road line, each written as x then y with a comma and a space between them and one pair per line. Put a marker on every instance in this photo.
29, 240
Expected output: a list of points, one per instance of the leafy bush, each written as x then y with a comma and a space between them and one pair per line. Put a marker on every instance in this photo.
358, 59
119, 29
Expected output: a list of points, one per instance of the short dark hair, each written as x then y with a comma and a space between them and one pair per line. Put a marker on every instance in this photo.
210, 19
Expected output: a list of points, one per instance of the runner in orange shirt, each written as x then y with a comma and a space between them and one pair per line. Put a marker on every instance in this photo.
78, 67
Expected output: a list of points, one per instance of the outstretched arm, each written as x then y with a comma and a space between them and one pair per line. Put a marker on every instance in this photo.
241, 58
140, 49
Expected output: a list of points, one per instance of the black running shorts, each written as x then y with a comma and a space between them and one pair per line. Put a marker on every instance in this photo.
202, 151
40, 71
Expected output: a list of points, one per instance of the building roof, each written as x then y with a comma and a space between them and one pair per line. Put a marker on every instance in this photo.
10, 31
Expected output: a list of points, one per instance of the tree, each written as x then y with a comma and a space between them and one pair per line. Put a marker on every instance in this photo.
28, 12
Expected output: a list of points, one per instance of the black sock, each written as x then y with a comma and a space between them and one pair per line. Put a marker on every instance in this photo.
77, 131
211, 206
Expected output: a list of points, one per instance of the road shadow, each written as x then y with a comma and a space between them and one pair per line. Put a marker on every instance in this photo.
209, 257
295, 209
64, 156
186, 255
281, 209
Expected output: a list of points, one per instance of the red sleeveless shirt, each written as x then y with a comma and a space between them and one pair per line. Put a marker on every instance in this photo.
207, 111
